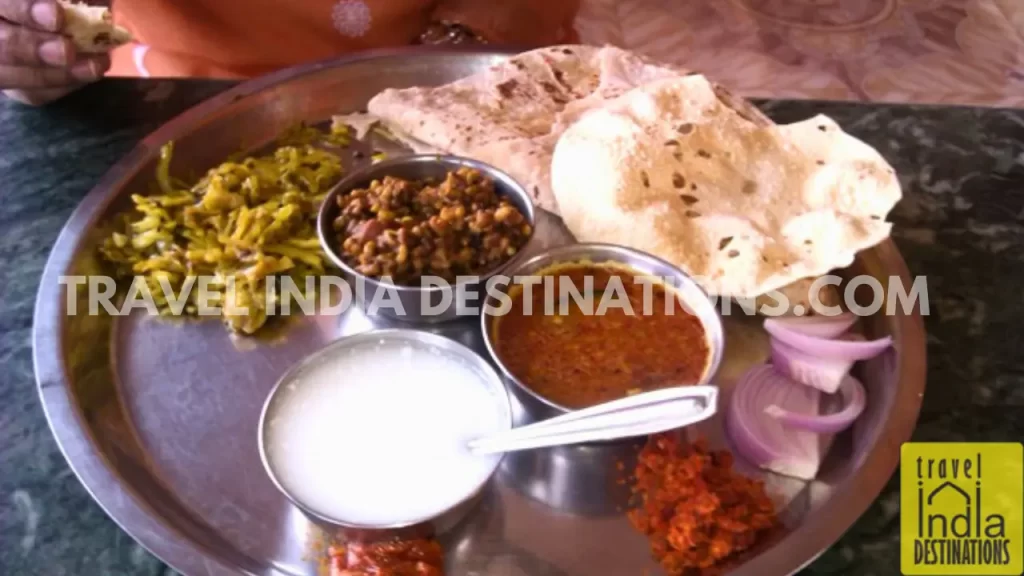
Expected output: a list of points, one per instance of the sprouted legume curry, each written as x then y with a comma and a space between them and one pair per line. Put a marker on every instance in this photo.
407, 229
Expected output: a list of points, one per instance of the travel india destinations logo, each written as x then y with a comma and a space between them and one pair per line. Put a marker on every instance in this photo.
962, 508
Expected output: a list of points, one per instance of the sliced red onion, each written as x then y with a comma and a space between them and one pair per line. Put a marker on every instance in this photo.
854, 401
817, 326
765, 441
845, 349
825, 374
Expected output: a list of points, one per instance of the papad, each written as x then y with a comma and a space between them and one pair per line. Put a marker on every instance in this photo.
746, 208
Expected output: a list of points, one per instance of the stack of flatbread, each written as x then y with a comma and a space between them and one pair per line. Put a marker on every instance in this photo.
512, 114
647, 155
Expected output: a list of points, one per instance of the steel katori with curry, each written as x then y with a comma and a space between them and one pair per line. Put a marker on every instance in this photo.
408, 229
578, 358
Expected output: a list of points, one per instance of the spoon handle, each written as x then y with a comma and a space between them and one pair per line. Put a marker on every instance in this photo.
703, 394
639, 415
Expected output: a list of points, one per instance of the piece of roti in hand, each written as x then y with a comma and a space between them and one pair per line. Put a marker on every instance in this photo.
92, 28
744, 208
511, 114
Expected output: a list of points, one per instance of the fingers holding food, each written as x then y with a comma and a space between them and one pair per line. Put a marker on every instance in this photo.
49, 48
21, 46
41, 15
31, 43
35, 55
83, 71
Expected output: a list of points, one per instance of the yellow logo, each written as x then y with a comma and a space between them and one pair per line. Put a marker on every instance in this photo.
962, 508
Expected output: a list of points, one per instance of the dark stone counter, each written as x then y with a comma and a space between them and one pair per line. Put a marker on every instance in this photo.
961, 224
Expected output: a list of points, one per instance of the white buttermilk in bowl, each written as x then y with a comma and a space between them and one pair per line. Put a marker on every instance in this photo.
375, 434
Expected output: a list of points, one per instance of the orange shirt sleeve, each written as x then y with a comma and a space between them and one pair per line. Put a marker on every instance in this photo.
525, 23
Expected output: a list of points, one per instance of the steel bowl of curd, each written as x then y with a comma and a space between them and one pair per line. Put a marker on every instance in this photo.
368, 436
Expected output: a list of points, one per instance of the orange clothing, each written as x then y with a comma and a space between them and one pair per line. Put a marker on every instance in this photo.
245, 38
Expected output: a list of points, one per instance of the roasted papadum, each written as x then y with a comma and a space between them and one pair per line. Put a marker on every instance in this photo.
744, 207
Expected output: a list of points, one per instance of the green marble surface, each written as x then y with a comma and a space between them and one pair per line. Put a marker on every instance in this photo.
961, 224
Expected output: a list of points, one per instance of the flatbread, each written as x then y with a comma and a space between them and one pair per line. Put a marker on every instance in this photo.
92, 28
743, 207
511, 114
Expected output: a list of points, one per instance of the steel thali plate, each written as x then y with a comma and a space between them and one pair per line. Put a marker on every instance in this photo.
158, 419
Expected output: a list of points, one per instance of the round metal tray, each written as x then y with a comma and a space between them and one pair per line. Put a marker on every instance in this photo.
158, 419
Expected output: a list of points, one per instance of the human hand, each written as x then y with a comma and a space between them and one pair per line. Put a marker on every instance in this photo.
37, 63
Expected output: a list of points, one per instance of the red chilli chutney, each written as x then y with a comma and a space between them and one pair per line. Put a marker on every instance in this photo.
575, 357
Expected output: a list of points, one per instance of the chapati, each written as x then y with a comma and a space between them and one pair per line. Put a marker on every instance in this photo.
511, 114
92, 28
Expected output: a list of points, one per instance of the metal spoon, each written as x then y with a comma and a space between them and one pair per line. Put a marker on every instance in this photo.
638, 415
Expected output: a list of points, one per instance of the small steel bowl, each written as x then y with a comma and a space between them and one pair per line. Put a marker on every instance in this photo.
413, 298
439, 523
691, 294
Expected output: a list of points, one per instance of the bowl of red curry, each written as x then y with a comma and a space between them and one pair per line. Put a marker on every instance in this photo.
584, 324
